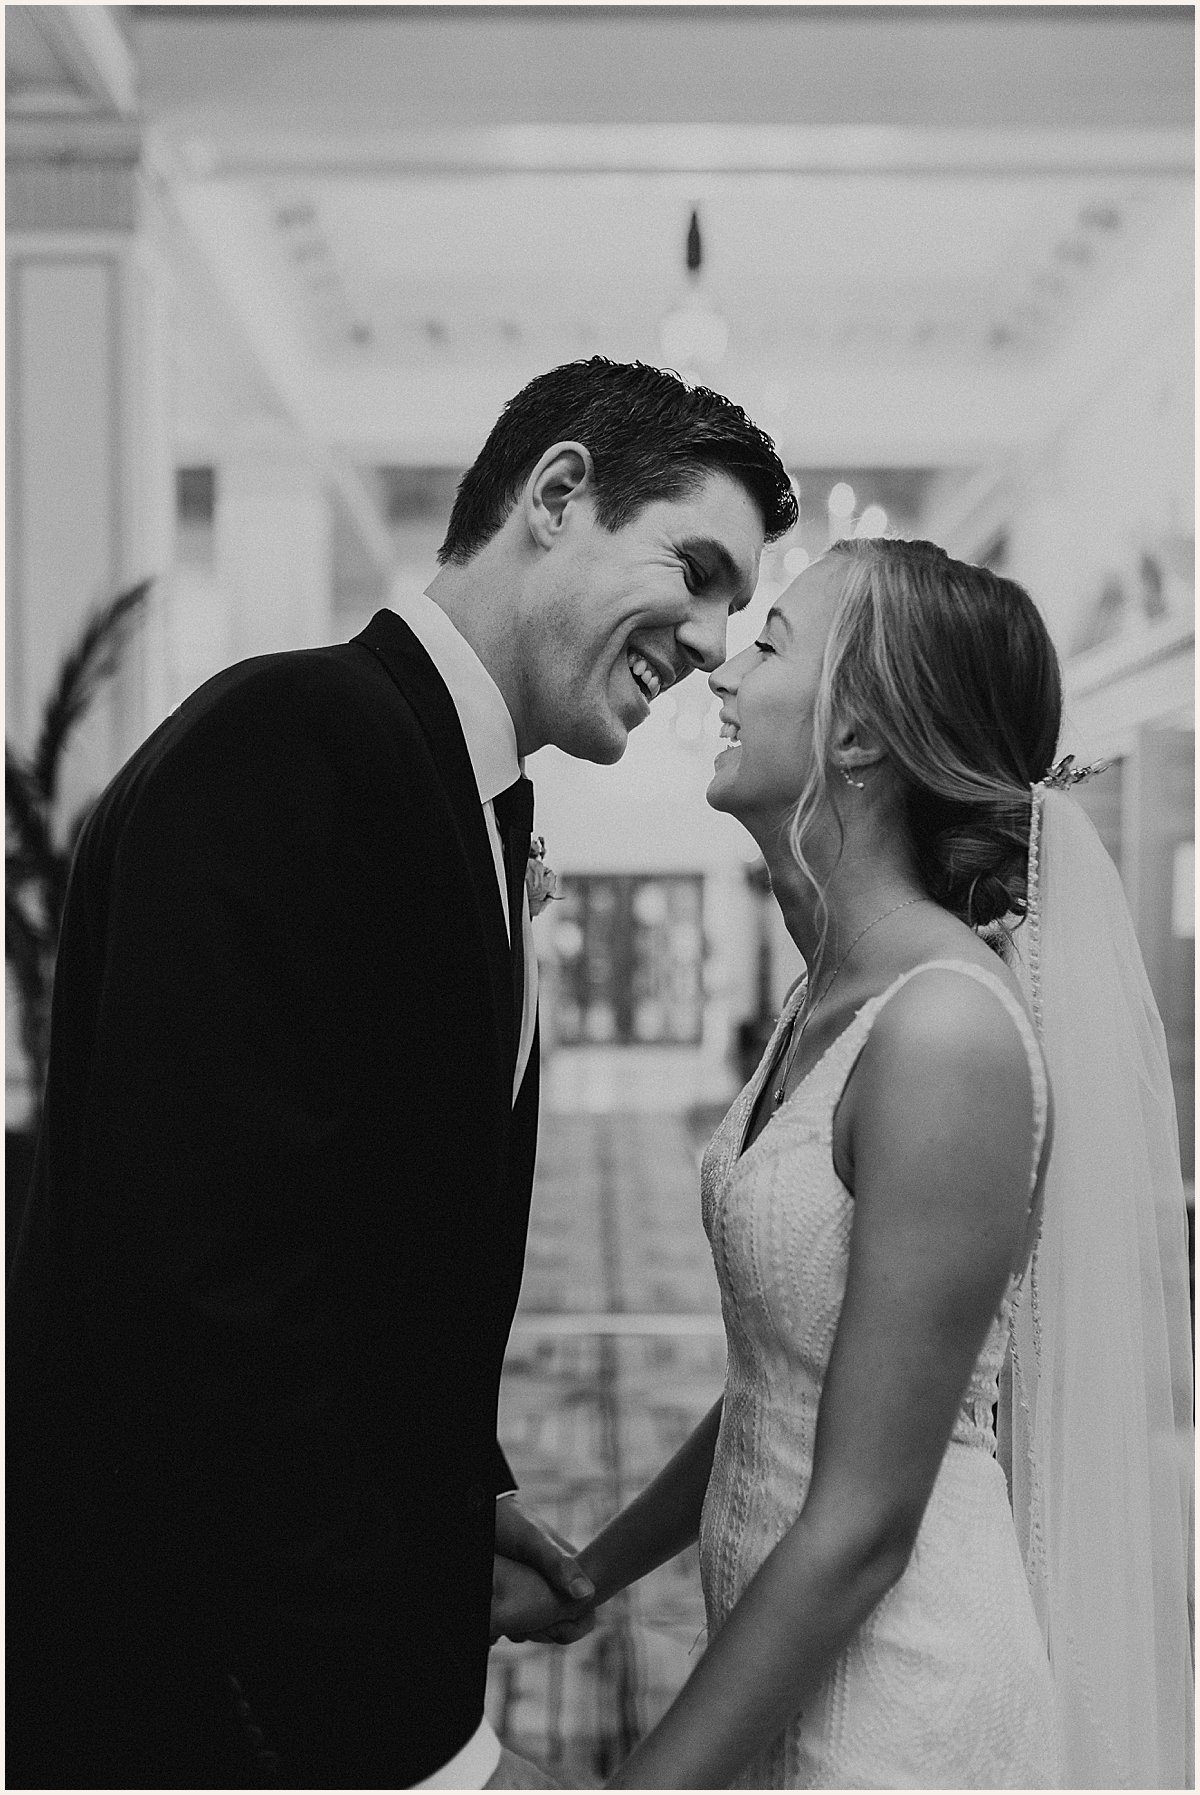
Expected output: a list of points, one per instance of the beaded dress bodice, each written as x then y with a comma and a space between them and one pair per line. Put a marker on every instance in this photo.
779, 1220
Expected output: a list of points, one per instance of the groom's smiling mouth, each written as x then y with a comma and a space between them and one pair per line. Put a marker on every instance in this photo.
649, 678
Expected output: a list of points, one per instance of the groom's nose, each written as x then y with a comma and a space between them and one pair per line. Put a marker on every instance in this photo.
702, 639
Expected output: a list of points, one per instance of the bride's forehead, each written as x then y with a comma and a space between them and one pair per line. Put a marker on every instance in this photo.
814, 593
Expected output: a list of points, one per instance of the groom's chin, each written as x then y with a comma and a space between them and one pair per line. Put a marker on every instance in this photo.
603, 742
606, 752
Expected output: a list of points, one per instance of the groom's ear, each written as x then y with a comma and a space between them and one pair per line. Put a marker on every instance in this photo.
562, 476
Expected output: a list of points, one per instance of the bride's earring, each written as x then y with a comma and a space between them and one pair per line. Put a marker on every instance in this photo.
858, 784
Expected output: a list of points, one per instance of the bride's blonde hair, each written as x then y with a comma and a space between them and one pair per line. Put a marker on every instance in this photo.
952, 669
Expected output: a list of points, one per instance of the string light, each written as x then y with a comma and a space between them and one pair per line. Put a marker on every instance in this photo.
841, 500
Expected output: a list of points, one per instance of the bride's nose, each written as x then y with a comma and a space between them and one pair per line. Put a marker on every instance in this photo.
724, 682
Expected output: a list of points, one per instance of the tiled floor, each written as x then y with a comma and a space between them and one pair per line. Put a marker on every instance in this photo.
616, 1353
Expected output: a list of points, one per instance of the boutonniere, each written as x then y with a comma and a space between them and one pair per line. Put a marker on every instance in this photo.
541, 881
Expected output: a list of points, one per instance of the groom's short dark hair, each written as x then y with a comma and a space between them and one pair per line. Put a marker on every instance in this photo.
651, 436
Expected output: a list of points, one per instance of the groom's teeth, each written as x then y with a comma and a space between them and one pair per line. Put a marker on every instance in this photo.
645, 675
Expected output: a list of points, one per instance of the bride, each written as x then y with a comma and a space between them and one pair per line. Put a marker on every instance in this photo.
934, 1202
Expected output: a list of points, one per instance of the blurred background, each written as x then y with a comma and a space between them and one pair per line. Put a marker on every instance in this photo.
271, 274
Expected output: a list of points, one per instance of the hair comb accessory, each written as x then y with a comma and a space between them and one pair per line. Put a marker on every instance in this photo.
1062, 777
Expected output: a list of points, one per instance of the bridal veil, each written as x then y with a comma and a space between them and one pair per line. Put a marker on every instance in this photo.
1102, 1455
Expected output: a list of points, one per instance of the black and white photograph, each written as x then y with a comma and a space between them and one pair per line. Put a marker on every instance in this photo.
600, 908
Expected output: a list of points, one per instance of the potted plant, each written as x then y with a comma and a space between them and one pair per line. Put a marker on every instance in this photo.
38, 850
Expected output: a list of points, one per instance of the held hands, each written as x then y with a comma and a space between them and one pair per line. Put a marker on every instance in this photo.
538, 1589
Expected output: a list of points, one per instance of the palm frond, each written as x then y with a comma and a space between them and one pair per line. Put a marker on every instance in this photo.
24, 944
91, 661
30, 955
27, 823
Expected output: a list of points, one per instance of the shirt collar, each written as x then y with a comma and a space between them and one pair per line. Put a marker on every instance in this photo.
486, 723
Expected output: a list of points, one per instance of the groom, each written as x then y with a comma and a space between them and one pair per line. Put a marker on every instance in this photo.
275, 1239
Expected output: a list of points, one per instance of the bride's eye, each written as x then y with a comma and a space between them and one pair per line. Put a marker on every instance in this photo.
765, 647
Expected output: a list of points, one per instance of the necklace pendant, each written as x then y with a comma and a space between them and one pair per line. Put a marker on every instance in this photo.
780, 1094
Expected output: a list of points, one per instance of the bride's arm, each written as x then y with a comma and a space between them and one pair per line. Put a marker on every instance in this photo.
659, 1522
939, 1124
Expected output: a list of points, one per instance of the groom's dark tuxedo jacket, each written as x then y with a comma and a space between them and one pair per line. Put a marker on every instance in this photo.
273, 1249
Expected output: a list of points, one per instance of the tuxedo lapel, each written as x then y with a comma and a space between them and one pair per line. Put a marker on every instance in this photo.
392, 642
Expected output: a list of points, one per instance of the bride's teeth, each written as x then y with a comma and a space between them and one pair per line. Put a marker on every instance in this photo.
729, 731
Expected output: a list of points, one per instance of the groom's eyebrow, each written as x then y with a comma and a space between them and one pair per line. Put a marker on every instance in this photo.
720, 561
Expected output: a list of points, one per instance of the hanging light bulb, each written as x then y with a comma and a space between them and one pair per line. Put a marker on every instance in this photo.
693, 333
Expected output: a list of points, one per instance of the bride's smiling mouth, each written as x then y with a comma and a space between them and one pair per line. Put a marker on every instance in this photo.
730, 737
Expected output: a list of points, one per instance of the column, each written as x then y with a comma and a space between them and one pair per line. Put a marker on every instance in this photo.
87, 437
88, 476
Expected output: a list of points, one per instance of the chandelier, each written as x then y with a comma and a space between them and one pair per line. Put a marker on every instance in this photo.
693, 334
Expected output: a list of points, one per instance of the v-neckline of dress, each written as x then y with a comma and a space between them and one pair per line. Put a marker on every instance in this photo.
745, 1147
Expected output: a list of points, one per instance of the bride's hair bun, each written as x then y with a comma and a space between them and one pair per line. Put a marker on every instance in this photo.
971, 860
951, 669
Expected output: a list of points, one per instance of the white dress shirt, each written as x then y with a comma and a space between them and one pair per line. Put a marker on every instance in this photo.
492, 746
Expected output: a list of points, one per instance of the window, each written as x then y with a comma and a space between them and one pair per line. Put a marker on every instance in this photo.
630, 955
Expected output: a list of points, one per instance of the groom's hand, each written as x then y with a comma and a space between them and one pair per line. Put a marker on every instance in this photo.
534, 1542
525, 1607
556, 1603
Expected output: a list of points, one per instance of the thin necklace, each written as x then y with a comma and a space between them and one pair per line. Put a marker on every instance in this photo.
796, 1035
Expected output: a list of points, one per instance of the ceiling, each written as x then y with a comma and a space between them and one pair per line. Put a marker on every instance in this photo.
250, 72
912, 217
892, 267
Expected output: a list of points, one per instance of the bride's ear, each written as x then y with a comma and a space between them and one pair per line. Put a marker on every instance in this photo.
856, 749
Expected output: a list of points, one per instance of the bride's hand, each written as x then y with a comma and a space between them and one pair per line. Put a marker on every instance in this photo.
532, 1541
525, 1607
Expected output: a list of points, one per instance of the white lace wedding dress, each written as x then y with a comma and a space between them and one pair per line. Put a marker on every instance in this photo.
946, 1684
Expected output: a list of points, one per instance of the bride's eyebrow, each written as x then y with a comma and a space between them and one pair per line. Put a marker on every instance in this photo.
775, 615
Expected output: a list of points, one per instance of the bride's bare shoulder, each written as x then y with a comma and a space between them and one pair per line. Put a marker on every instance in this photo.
940, 1112
947, 1045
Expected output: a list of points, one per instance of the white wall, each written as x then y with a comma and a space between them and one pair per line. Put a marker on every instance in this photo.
1117, 478
1111, 481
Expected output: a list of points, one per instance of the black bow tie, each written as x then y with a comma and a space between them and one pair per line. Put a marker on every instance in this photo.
514, 815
